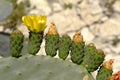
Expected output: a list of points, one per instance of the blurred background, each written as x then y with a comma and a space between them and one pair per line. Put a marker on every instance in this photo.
97, 20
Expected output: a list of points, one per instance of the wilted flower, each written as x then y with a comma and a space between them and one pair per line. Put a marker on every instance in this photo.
35, 24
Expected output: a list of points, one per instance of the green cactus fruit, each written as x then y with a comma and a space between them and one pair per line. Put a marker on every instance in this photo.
51, 41
16, 43
93, 57
89, 49
99, 57
35, 40
29, 67
105, 71
64, 46
89, 58
77, 48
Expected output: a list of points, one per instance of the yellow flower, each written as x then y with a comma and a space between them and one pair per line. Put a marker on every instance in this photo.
35, 24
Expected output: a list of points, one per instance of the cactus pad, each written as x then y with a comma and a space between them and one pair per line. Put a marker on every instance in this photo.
30, 67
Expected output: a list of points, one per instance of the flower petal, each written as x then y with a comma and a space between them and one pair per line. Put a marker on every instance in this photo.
35, 23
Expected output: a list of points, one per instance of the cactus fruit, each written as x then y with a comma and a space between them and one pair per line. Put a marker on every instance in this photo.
88, 60
51, 41
29, 67
16, 43
64, 46
105, 71
93, 57
35, 40
99, 57
77, 48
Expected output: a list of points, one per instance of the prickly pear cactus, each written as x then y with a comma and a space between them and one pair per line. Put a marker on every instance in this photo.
105, 71
16, 43
64, 46
77, 48
51, 41
30, 67
93, 57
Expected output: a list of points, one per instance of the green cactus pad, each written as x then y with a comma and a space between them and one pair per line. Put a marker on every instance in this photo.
64, 46
30, 67
16, 43
35, 40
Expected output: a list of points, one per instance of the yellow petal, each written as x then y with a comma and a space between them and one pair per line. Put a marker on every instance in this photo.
35, 23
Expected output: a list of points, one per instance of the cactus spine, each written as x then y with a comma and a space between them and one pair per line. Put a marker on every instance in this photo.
16, 43
93, 57
35, 40
77, 48
64, 46
105, 71
51, 41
